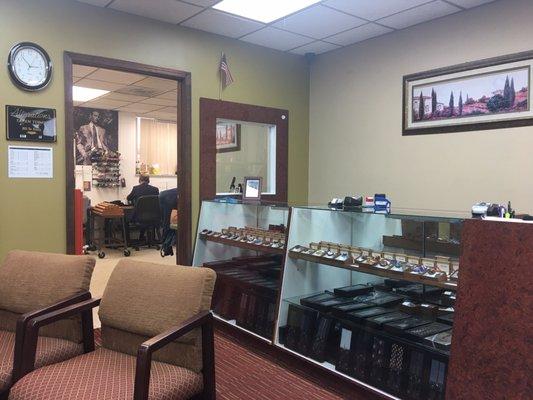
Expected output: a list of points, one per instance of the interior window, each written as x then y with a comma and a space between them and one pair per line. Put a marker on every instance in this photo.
156, 147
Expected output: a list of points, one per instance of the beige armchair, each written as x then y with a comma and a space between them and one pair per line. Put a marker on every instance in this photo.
33, 284
157, 340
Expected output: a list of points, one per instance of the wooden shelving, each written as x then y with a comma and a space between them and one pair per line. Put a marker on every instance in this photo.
367, 269
243, 245
432, 245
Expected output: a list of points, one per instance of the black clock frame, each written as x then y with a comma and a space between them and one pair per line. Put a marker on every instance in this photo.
11, 67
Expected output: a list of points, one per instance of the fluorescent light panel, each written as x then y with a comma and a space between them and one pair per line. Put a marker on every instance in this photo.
263, 10
83, 94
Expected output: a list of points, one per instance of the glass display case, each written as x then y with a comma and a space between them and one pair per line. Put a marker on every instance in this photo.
371, 297
245, 244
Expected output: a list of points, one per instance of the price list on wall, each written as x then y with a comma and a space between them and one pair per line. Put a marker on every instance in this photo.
30, 162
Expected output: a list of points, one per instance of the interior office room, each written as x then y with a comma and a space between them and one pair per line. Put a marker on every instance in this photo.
229, 199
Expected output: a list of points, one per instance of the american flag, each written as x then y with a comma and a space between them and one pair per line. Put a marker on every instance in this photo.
225, 73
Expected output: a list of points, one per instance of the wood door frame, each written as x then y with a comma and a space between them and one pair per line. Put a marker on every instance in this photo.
184, 233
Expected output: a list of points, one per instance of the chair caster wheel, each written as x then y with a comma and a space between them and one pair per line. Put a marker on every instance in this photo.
101, 254
91, 247
136, 248
127, 253
85, 252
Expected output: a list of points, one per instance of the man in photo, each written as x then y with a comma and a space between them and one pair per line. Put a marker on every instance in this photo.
90, 137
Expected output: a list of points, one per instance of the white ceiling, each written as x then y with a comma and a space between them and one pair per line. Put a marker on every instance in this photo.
322, 27
141, 95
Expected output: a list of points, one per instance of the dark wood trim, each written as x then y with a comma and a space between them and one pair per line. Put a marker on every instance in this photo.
184, 178
32, 330
210, 110
307, 369
23, 322
203, 320
478, 126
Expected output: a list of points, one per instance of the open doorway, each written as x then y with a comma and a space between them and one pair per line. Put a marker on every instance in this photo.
128, 158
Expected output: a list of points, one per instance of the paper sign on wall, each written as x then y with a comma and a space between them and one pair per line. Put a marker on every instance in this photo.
30, 162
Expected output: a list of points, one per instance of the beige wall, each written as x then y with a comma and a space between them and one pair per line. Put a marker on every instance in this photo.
250, 160
32, 212
356, 143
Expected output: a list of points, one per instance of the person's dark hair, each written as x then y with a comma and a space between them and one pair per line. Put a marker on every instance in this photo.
144, 179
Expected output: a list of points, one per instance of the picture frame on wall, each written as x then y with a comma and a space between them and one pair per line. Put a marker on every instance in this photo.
228, 137
487, 94
251, 192
31, 124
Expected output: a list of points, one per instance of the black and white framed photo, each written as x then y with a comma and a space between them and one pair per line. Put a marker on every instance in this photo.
95, 129
251, 192
30, 124
487, 94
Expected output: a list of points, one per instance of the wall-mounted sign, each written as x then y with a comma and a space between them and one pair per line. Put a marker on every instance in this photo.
30, 124
30, 162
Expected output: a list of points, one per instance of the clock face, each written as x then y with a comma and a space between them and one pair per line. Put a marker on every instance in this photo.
29, 66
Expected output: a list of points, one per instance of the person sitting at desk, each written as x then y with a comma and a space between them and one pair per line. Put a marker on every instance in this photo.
142, 189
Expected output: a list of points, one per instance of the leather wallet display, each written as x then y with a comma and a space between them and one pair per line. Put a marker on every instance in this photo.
360, 315
379, 320
399, 326
352, 291
423, 331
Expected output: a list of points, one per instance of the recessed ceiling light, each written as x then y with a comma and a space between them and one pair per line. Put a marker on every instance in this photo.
263, 10
80, 93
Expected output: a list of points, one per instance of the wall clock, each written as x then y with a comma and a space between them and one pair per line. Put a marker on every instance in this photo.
30, 67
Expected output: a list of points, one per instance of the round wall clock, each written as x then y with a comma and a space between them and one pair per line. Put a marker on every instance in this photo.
29, 66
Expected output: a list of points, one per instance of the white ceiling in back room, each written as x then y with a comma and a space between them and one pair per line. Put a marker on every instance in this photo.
311, 26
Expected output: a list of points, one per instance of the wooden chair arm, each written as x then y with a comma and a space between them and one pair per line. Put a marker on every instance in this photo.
24, 319
32, 331
203, 320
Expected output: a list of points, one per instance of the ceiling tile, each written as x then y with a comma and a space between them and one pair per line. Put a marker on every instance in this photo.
161, 115
109, 75
359, 34
104, 103
171, 95
222, 24
373, 9
93, 84
124, 97
100, 3
80, 71
157, 83
160, 102
315, 47
276, 39
170, 110
319, 22
419, 14
163, 10
140, 108
203, 3
470, 3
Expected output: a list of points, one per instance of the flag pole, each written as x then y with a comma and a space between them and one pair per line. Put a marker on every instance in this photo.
220, 77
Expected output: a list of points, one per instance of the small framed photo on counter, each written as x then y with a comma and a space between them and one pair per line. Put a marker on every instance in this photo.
252, 189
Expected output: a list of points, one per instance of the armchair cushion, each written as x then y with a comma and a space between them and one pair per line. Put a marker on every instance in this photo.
32, 280
49, 351
105, 375
142, 300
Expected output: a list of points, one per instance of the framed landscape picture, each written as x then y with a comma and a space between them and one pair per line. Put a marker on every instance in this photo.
488, 94
228, 137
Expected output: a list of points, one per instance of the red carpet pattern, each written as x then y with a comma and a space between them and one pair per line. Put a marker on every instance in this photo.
242, 374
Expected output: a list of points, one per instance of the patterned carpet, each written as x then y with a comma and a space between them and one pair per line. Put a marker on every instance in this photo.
243, 374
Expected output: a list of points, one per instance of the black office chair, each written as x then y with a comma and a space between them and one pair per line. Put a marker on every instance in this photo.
147, 217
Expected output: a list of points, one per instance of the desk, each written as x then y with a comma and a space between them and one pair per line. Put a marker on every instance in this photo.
108, 239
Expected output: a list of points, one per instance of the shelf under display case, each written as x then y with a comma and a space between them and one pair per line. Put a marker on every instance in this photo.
347, 310
245, 245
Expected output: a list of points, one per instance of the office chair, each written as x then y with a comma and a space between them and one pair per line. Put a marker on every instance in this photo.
147, 216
